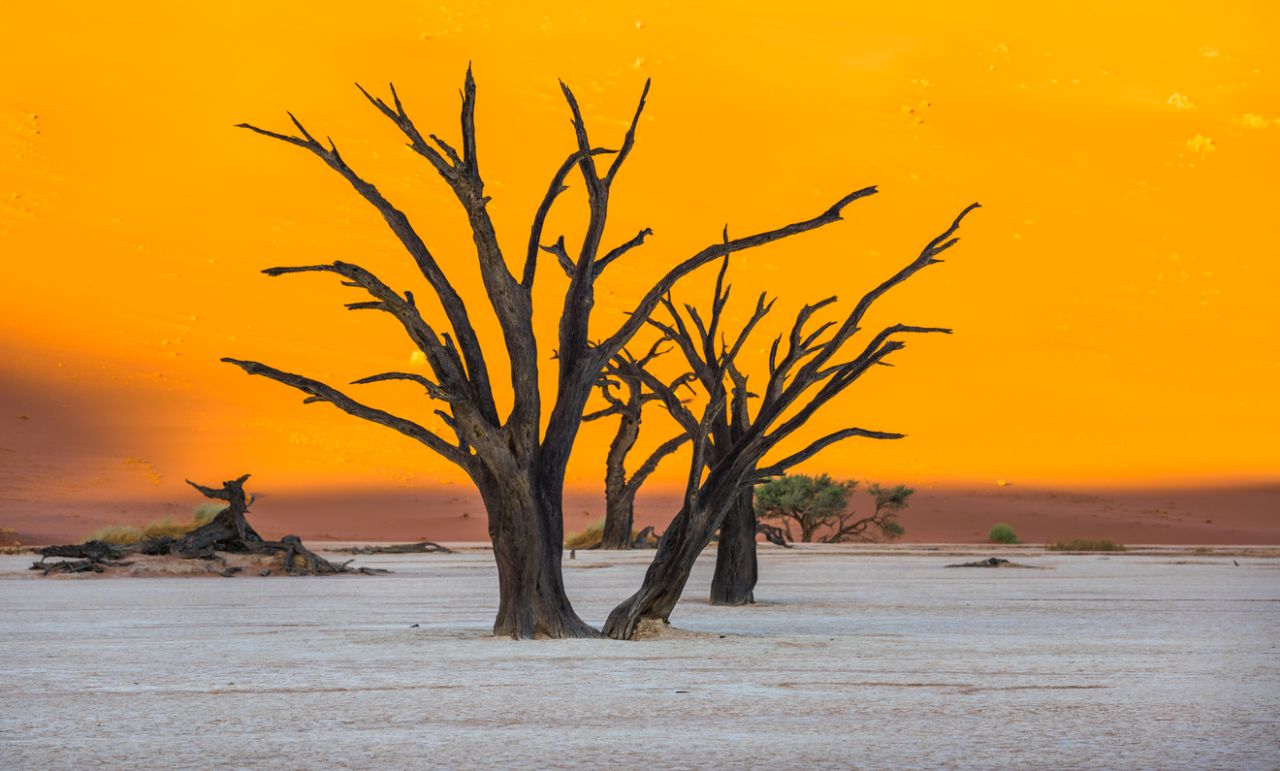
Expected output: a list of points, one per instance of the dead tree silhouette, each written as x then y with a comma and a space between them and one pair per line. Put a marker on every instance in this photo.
517, 465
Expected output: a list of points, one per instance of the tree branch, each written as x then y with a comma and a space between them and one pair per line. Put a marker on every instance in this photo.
622, 249
651, 463
318, 391
455, 310
780, 468
655, 294
433, 389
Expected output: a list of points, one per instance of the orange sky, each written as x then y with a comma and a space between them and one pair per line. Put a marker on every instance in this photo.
1114, 302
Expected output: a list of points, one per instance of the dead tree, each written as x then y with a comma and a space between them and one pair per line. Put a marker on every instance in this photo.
804, 374
624, 372
516, 463
228, 532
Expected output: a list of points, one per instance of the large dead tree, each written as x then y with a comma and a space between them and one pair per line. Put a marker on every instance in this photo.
806, 371
625, 373
517, 465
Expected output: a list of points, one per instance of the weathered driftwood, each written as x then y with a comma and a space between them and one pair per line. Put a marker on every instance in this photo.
228, 532
422, 547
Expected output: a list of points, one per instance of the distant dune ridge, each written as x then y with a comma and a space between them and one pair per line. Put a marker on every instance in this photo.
1201, 515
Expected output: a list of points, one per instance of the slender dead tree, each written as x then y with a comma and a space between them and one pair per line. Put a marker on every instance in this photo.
516, 463
804, 374
703, 348
625, 373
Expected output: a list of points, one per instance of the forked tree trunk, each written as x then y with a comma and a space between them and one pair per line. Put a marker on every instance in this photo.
734, 581
527, 547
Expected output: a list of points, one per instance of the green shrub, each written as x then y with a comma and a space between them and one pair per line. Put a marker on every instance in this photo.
1085, 544
1002, 533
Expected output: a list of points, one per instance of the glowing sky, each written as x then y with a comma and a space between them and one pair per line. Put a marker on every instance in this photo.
1114, 302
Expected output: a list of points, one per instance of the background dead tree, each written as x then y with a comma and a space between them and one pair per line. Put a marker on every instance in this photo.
517, 465
625, 373
805, 372
228, 532
710, 360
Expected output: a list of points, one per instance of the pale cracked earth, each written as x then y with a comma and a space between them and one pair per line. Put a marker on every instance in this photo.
850, 660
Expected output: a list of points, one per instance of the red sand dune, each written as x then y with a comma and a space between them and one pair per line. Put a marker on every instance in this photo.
1226, 515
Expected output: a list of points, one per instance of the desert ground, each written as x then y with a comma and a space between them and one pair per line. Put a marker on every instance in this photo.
854, 657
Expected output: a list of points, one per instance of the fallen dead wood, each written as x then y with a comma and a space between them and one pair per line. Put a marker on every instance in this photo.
227, 533
992, 562
422, 547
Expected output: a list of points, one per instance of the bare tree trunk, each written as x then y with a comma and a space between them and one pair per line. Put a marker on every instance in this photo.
664, 582
619, 521
618, 495
734, 582
527, 548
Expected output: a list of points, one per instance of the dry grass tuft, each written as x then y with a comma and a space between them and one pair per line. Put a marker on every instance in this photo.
162, 528
9, 537
586, 539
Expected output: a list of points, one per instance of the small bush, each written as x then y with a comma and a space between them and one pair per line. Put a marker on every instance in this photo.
1002, 533
9, 537
1085, 544
588, 538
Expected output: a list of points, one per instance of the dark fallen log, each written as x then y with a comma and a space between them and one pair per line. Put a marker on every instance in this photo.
990, 562
645, 539
773, 534
422, 547
228, 532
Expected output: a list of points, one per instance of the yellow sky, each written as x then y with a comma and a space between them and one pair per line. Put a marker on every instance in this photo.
1114, 302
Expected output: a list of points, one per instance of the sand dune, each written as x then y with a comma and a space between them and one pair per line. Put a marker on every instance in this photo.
1227, 515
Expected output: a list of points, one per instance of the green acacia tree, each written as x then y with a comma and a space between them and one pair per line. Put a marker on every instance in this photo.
822, 503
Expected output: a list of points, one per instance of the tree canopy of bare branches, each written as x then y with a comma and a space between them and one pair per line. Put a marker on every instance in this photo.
808, 366
517, 465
